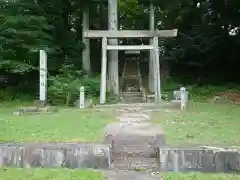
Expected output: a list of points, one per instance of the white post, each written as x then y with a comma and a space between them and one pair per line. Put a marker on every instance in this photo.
151, 53
43, 76
157, 71
86, 51
183, 97
113, 74
81, 98
103, 72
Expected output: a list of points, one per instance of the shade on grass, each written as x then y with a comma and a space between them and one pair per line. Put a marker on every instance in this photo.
200, 176
67, 125
49, 174
202, 124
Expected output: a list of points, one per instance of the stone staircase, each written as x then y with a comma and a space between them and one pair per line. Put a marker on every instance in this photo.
134, 146
132, 97
131, 88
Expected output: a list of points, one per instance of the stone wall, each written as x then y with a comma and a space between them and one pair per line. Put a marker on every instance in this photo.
66, 155
99, 156
200, 159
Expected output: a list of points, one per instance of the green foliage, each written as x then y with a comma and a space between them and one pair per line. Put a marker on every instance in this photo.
64, 88
23, 31
203, 49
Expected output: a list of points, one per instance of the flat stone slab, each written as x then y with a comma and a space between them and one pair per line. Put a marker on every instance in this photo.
133, 129
67, 155
131, 109
34, 110
129, 175
133, 140
142, 164
201, 159
133, 117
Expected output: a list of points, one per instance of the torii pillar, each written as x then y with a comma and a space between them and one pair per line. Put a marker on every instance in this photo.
86, 51
151, 54
113, 75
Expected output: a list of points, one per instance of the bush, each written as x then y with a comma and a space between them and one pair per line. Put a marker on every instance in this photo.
64, 88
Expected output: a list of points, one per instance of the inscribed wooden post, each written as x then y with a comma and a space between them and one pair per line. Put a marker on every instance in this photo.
155, 77
151, 54
81, 97
103, 72
42, 76
86, 51
157, 71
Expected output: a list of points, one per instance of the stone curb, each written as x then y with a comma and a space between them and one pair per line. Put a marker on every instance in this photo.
201, 159
98, 156
69, 155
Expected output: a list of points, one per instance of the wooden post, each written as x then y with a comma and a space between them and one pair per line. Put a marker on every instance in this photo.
151, 54
86, 51
157, 71
113, 78
43, 76
81, 98
103, 72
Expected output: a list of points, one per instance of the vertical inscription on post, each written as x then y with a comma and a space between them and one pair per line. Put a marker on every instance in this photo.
43, 76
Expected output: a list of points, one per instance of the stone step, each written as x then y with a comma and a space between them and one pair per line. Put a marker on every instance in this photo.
134, 134
135, 151
129, 175
131, 89
136, 93
133, 102
130, 79
136, 164
128, 98
132, 117
133, 97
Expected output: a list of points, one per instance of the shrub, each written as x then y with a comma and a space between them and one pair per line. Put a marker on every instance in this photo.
64, 88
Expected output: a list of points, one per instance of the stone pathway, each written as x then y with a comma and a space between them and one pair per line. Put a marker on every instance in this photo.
134, 141
133, 149
138, 152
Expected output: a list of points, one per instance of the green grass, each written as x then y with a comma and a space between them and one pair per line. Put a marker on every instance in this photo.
201, 124
199, 93
67, 125
66, 174
200, 176
49, 174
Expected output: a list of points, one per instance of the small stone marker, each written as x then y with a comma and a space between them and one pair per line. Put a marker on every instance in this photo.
81, 98
183, 97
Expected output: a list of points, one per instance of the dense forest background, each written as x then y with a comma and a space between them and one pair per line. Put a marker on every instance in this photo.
206, 51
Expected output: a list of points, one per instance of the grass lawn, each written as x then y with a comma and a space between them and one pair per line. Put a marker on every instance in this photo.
67, 125
49, 174
202, 124
66, 174
200, 176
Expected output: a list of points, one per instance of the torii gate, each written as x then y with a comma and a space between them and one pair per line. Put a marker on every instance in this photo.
110, 42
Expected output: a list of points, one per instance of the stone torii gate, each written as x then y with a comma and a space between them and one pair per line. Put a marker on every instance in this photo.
110, 42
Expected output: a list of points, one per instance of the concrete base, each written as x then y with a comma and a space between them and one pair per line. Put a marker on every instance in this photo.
140, 157
55, 155
201, 159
